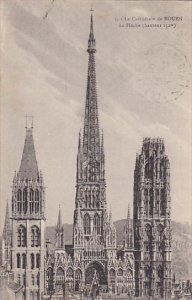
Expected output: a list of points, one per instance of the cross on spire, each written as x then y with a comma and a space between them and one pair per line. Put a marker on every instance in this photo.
26, 121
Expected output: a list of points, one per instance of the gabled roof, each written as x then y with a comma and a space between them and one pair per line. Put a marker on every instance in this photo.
28, 168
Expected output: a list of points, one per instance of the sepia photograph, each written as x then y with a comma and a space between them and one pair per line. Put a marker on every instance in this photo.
95, 150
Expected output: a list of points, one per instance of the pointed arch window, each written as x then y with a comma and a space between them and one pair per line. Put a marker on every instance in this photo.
19, 201
18, 260
37, 199
112, 275
32, 261
60, 275
157, 201
33, 279
148, 232
37, 260
31, 201
70, 273
97, 224
21, 236
24, 261
147, 272
150, 201
38, 279
87, 227
146, 201
35, 236
25, 200
163, 202
78, 279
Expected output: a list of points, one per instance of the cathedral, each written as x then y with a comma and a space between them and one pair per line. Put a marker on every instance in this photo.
93, 264
93, 250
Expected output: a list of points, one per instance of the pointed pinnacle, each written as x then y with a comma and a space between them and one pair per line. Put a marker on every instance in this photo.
91, 41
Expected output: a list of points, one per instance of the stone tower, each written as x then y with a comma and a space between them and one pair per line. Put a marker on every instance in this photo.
152, 223
94, 236
59, 232
6, 241
28, 223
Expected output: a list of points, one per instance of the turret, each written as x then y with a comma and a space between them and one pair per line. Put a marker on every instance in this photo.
128, 233
59, 232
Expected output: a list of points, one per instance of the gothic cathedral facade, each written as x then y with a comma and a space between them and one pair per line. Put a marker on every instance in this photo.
94, 250
140, 267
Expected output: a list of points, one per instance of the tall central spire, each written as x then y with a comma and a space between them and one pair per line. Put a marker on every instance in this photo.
91, 138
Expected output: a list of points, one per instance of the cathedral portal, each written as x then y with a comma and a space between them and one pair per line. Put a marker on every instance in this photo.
92, 268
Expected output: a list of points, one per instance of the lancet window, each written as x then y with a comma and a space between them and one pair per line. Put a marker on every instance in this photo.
87, 225
32, 261
31, 201
25, 200
19, 201
37, 260
37, 201
18, 260
35, 236
24, 261
21, 236
97, 224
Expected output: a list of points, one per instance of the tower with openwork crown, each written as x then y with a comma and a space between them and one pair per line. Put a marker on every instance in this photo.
152, 223
28, 223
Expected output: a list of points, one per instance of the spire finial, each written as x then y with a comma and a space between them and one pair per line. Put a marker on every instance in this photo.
91, 41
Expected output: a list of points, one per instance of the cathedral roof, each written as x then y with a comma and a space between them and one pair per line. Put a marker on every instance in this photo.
28, 168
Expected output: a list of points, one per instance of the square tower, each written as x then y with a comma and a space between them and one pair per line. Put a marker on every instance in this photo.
152, 223
28, 223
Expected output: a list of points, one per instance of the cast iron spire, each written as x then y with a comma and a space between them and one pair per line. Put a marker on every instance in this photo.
91, 136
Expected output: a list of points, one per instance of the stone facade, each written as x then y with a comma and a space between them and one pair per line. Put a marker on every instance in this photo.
152, 223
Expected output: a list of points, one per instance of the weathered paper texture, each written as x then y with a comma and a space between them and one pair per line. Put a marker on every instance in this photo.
143, 65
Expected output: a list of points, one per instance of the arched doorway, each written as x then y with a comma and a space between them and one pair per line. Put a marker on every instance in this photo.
90, 271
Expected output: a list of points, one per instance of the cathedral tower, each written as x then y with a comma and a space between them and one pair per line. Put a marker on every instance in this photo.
152, 223
92, 227
28, 223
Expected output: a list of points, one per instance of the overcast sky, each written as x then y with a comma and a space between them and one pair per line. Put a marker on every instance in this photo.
143, 89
